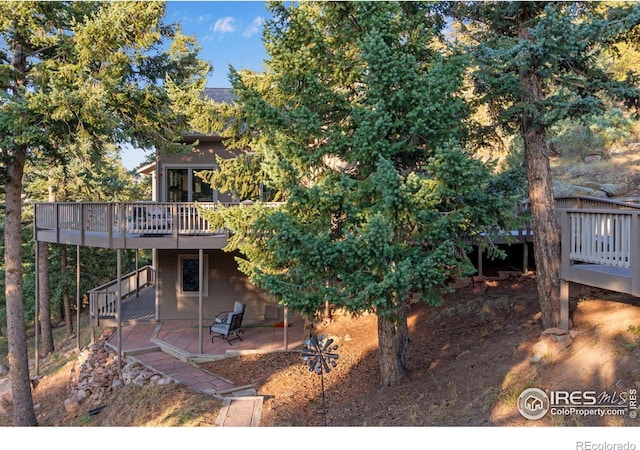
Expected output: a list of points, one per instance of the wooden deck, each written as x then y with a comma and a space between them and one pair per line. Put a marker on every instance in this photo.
140, 308
600, 247
115, 239
600, 240
134, 225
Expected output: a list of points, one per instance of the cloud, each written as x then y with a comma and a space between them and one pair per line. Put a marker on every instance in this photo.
224, 25
254, 28
203, 18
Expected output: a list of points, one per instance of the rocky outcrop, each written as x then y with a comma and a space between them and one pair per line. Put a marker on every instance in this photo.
570, 190
96, 375
594, 189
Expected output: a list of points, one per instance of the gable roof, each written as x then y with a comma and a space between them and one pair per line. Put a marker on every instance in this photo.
220, 95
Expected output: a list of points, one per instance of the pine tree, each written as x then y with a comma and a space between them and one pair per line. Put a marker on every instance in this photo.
78, 75
537, 64
360, 123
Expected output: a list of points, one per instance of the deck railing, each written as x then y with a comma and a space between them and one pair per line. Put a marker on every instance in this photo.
583, 202
601, 237
139, 218
103, 300
599, 248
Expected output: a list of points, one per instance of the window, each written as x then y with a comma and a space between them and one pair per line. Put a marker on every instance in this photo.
189, 276
178, 185
183, 185
201, 190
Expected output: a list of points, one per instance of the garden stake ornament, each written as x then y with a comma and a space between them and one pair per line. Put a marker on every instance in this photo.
320, 357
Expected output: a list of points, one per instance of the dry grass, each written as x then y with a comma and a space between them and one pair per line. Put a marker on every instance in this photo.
129, 406
619, 165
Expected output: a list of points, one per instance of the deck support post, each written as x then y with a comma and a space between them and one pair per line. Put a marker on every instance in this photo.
200, 307
137, 272
119, 309
564, 305
37, 313
286, 327
480, 269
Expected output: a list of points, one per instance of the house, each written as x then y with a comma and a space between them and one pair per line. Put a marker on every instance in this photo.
194, 278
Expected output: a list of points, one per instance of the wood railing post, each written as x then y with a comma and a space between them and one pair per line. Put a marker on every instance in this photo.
565, 242
634, 255
56, 220
122, 222
109, 224
82, 219
176, 221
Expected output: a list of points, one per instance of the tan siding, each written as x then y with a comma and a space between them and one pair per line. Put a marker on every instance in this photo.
226, 285
204, 154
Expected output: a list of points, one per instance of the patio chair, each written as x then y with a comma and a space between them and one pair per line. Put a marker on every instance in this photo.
225, 316
229, 328
158, 219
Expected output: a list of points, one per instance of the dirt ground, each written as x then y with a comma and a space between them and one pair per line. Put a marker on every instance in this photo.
469, 361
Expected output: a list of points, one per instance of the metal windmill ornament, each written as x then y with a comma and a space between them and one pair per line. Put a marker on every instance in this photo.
320, 356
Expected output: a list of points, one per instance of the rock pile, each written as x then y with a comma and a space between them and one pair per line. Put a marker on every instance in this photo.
552, 342
96, 374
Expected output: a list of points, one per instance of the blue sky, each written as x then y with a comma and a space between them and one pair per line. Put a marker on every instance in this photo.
229, 32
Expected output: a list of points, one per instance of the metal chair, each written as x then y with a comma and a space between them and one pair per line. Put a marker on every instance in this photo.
230, 327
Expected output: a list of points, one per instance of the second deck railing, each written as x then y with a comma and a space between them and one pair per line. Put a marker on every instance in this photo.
601, 237
103, 300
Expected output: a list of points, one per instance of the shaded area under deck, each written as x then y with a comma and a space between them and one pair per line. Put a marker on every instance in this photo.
142, 333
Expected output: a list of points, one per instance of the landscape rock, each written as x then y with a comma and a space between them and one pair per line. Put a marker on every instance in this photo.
96, 374
573, 333
569, 190
592, 158
554, 331
71, 405
614, 189
552, 342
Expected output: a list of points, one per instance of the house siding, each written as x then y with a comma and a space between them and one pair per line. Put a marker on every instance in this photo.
226, 284
202, 155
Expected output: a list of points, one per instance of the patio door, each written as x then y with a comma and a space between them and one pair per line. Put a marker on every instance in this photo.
184, 185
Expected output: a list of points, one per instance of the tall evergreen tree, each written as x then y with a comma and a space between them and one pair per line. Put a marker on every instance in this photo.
84, 74
359, 121
536, 65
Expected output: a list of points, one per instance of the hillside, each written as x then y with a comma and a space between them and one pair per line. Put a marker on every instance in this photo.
472, 355
469, 359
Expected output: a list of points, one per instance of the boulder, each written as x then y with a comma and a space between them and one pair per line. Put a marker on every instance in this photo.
615, 189
71, 405
569, 190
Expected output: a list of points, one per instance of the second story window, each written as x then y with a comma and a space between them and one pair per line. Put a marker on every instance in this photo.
183, 185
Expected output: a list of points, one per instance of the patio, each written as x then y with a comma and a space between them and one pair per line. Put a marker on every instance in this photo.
141, 333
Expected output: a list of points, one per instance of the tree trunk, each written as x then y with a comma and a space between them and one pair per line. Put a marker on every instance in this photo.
546, 234
68, 319
393, 344
44, 299
23, 411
